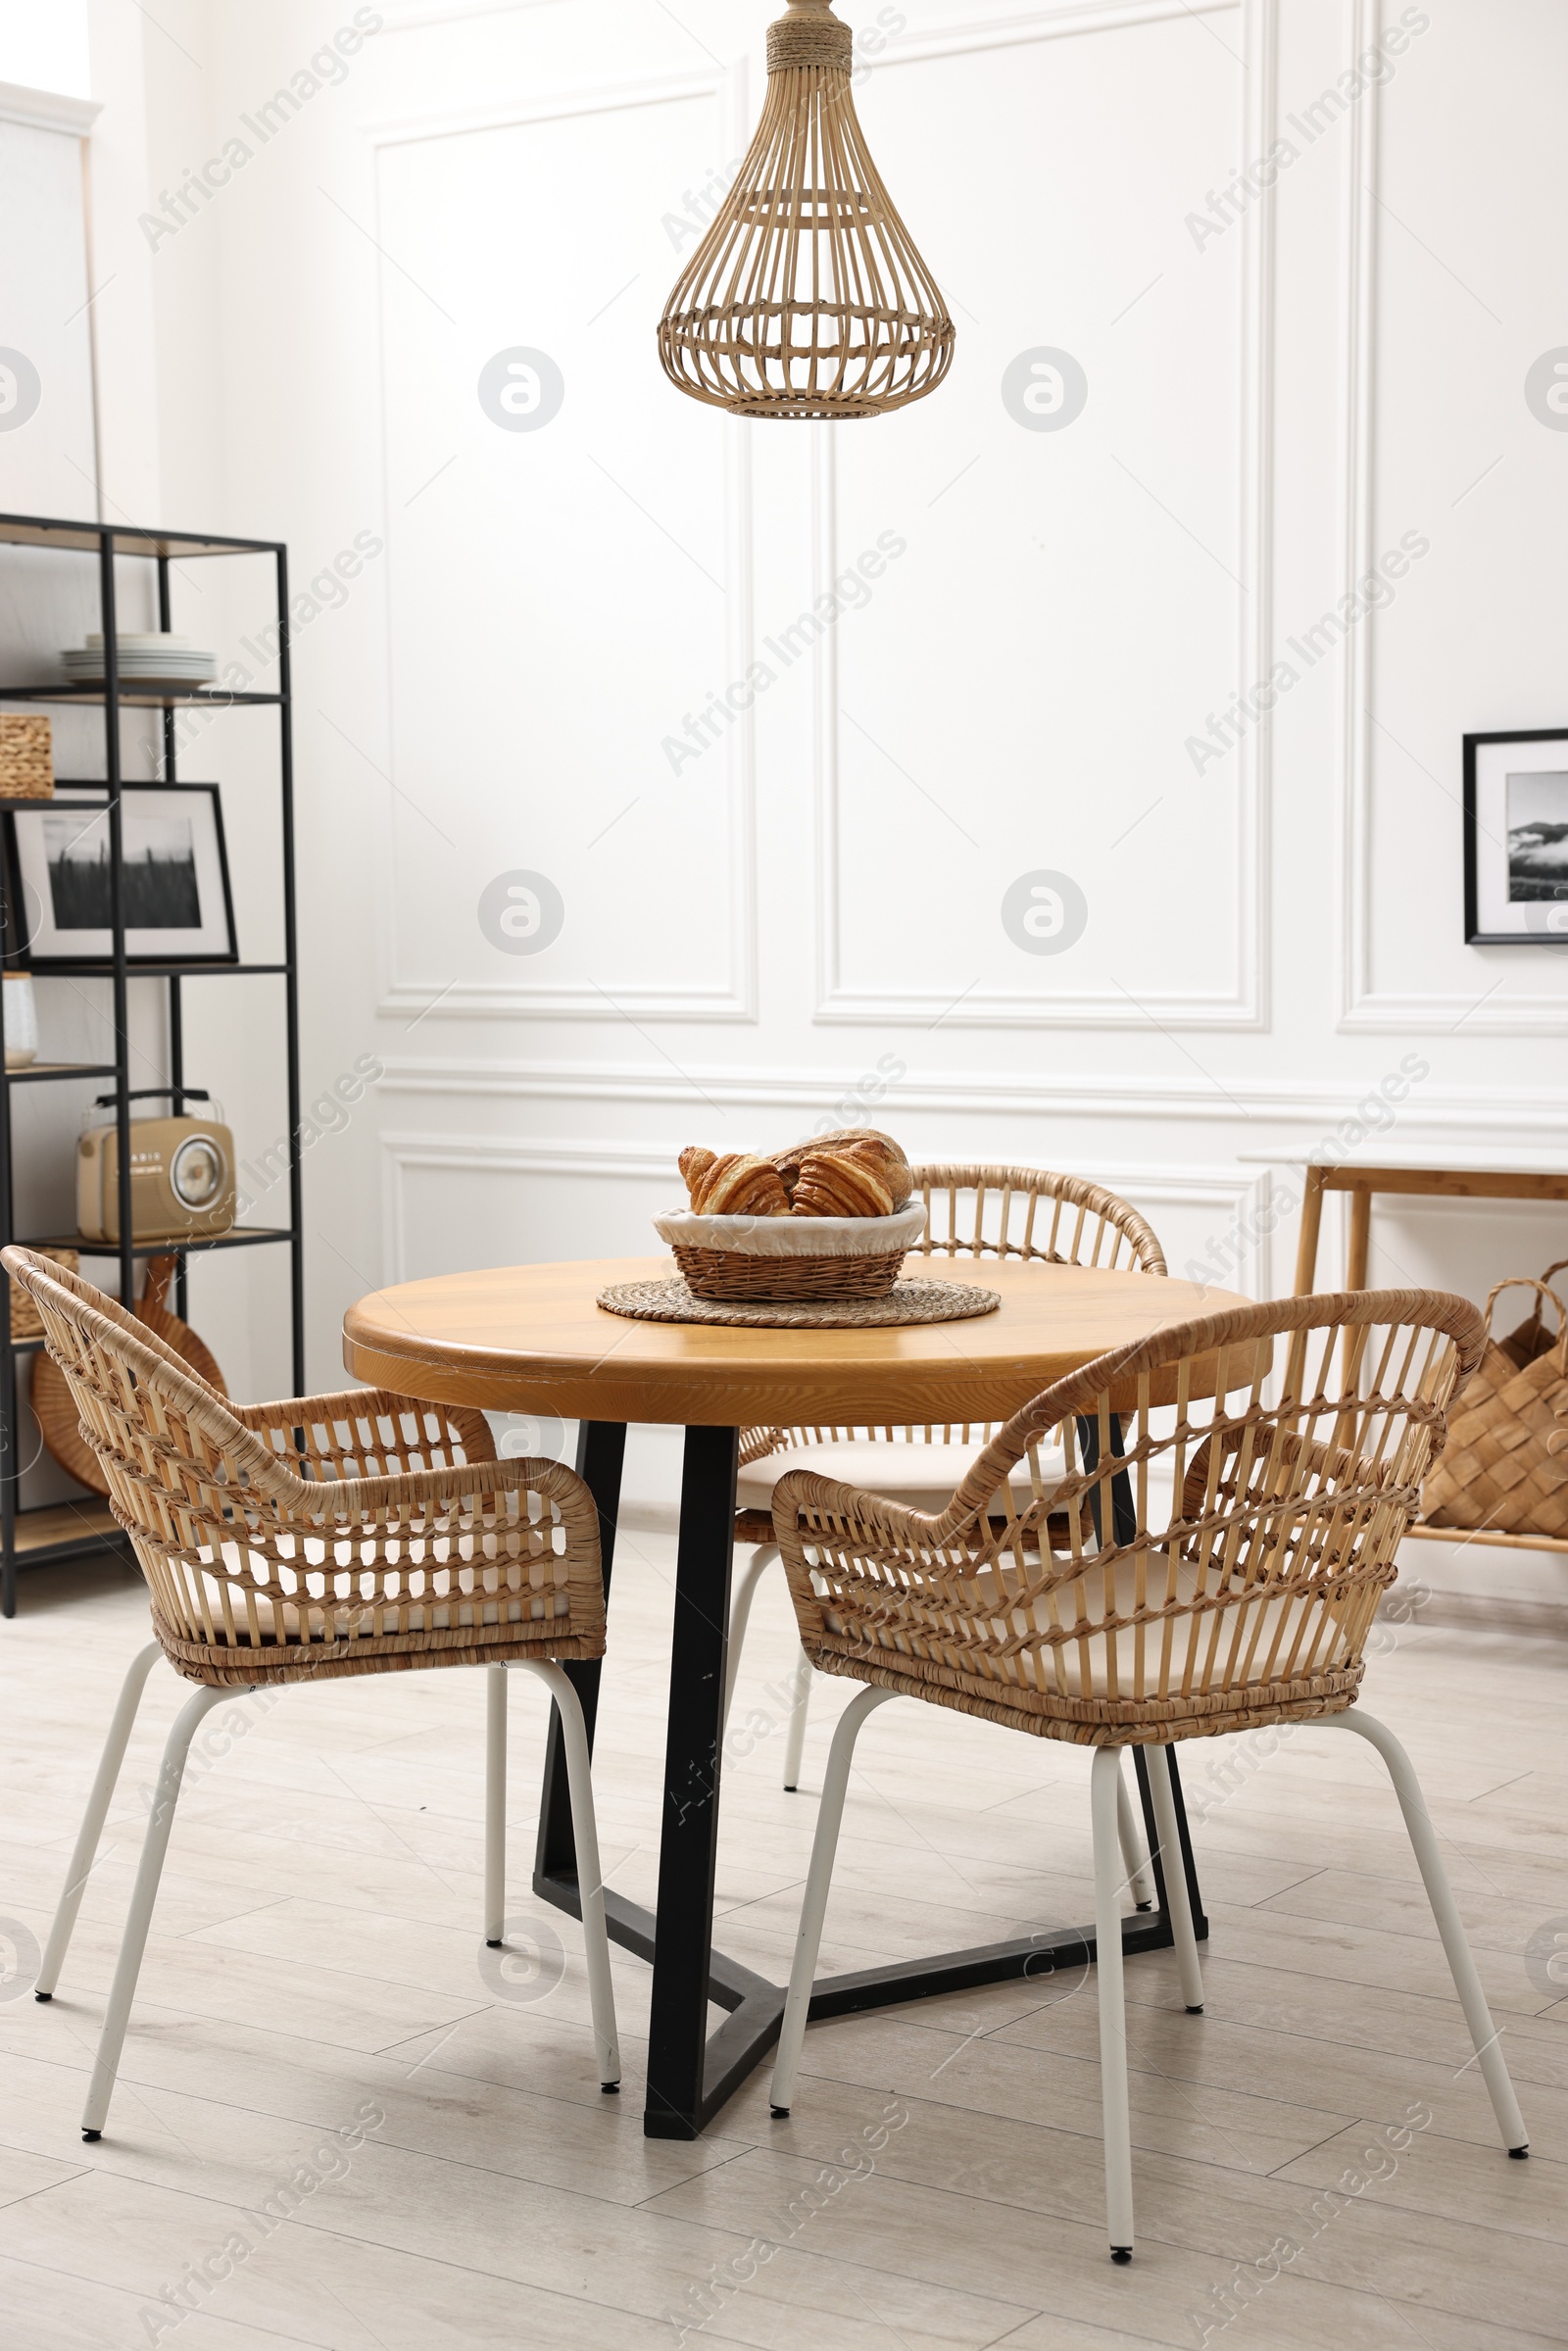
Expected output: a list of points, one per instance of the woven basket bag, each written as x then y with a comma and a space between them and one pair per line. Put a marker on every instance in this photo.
1505, 1469
1531, 1338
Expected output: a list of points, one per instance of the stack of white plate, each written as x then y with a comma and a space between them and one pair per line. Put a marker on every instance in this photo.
150, 658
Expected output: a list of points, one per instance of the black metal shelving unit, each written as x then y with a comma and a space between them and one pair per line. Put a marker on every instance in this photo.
66, 1531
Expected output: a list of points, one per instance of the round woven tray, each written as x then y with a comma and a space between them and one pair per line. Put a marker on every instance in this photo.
905, 1302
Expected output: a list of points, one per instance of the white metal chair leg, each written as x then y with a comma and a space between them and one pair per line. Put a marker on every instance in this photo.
93, 1818
1134, 1860
495, 1805
814, 1909
1445, 1911
740, 1616
1177, 1901
1103, 1783
794, 1737
590, 1877
139, 1920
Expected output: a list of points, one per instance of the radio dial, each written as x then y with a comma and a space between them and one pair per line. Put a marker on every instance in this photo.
197, 1173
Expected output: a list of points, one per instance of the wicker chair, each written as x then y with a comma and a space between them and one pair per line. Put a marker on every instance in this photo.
1026, 1213
309, 1540
1244, 1598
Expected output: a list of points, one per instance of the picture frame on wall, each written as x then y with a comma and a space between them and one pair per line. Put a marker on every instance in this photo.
177, 904
1516, 839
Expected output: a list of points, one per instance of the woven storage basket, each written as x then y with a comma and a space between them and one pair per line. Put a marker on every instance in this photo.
26, 760
732, 1258
1505, 1468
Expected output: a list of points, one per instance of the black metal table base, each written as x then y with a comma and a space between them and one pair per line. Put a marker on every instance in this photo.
691, 2073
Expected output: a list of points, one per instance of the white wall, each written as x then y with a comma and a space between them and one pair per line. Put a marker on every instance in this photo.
74, 257
809, 913
47, 464
46, 49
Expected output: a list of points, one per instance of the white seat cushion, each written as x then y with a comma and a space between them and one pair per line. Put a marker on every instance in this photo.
920, 1477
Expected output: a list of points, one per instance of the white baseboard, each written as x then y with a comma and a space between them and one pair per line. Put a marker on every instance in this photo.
1483, 1574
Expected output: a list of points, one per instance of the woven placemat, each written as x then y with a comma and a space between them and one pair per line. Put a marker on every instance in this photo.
905, 1302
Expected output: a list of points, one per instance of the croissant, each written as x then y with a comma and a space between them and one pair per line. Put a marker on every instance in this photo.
884, 1155
841, 1183
739, 1185
694, 1164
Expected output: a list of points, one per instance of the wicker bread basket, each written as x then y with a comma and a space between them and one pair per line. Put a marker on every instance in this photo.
736, 1257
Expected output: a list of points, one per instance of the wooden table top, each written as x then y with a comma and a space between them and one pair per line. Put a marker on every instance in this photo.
530, 1339
1456, 1175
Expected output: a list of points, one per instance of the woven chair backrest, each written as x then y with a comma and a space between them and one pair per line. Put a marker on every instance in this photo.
241, 1549
143, 1410
1236, 1491
1031, 1213
1028, 1215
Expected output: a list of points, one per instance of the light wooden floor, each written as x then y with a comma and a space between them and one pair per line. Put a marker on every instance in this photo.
316, 1960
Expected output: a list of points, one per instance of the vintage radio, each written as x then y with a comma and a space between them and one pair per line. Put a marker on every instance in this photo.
181, 1175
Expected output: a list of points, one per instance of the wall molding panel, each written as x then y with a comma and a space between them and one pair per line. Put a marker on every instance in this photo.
1362, 1007
408, 15
1245, 1005
1040, 24
495, 1154
558, 106
48, 109
1536, 1116
734, 998
1235, 1198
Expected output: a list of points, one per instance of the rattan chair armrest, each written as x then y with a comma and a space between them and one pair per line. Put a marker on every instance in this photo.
287, 1411
855, 1509
858, 1520
343, 1500
858, 1507
347, 1403
352, 1404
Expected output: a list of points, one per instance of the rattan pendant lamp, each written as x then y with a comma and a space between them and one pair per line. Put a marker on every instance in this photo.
807, 298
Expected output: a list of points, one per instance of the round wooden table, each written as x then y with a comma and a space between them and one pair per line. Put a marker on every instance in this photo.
531, 1339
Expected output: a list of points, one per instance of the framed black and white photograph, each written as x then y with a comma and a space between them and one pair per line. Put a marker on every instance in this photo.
1516, 839
176, 901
